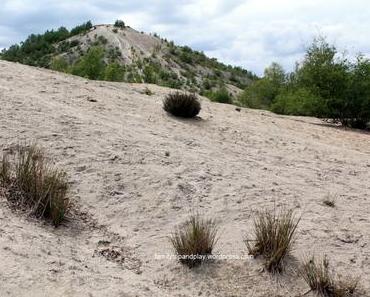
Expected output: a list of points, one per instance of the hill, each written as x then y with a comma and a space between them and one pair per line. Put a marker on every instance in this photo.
136, 173
120, 53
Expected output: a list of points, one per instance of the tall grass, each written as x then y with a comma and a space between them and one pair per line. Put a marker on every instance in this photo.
195, 240
274, 237
33, 183
320, 279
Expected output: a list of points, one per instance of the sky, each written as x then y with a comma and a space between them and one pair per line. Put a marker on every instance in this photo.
247, 33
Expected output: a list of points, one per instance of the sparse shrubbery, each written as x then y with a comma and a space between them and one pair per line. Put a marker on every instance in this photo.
274, 237
320, 279
31, 182
195, 240
182, 105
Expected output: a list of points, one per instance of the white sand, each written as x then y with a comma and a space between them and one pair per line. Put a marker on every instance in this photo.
225, 165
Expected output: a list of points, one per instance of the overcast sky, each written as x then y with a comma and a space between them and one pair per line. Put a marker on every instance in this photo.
249, 33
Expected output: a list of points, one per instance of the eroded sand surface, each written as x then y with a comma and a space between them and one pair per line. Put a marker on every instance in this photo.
129, 195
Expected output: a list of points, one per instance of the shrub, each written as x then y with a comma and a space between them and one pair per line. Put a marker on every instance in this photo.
220, 96
32, 183
274, 237
119, 24
114, 72
59, 64
91, 65
319, 278
298, 102
182, 105
195, 240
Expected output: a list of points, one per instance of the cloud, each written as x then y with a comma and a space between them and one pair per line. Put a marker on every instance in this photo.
250, 33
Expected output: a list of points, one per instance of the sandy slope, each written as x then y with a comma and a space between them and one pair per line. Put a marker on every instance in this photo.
226, 165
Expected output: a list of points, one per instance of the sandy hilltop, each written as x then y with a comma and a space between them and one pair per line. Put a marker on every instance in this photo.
136, 173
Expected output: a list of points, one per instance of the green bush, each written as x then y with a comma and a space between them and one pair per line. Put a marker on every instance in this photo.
114, 72
91, 65
119, 24
220, 96
59, 64
298, 102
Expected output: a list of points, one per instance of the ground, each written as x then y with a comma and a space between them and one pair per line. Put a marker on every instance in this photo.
136, 173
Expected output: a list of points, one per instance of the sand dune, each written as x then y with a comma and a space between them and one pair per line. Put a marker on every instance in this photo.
129, 195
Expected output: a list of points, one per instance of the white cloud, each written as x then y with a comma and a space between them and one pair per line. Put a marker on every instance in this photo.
250, 33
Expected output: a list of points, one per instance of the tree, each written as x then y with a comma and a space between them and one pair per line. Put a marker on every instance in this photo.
114, 72
91, 65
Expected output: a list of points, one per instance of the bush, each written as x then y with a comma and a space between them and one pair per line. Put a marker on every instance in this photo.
194, 241
298, 102
59, 64
260, 94
119, 24
32, 183
91, 65
274, 236
114, 72
220, 96
182, 105
319, 278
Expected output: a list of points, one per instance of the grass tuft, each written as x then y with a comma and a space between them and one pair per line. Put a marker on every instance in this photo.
195, 240
319, 278
329, 201
182, 105
274, 237
31, 182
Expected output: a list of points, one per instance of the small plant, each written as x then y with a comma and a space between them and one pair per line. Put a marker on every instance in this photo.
318, 277
115, 30
32, 183
274, 237
148, 91
329, 201
4, 171
194, 241
182, 105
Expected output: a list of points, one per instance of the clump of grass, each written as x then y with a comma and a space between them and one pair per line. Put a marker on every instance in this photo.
31, 182
4, 171
195, 240
274, 237
148, 91
329, 201
319, 278
182, 105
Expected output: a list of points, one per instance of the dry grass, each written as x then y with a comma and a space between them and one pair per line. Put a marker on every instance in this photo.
182, 105
5, 171
274, 237
194, 241
329, 201
31, 182
318, 277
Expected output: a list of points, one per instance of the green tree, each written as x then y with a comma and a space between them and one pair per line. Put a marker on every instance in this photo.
114, 72
261, 93
91, 65
59, 64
